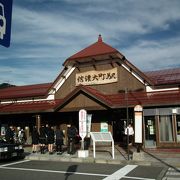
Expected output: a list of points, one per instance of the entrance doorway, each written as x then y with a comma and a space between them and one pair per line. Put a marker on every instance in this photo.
150, 132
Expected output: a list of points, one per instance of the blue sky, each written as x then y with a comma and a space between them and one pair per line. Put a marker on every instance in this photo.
46, 32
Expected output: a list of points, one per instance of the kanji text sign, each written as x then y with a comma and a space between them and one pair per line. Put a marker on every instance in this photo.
97, 77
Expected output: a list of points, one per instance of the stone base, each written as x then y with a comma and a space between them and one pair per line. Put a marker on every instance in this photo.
83, 153
138, 156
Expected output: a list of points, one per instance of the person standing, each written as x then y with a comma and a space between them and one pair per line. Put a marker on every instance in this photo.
71, 132
35, 139
50, 139
59, 140
129, 130
9, 136
22, 136
42, 139
46, 132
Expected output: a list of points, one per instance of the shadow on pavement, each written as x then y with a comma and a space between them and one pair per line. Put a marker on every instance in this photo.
70, 171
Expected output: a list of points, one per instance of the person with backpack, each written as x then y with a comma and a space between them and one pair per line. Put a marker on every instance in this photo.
71, 133
59, 140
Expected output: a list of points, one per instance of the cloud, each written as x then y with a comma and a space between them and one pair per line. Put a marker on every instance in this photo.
49, 31
154, 55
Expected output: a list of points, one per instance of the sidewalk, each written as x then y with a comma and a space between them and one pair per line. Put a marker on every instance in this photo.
154, 157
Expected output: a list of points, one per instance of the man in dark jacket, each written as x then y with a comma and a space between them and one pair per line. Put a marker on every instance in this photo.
59, 140
9, 136
71, 132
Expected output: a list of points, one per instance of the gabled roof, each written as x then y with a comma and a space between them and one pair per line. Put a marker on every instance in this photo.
165, 77
94, 94
24, 91
98, 48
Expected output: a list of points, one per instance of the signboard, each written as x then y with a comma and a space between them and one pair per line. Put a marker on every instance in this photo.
138, 127
97, 77
104, 127
138, 123
102, 137
138, 108
82, 123
5, 22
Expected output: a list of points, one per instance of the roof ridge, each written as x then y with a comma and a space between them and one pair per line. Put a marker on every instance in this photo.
95, 49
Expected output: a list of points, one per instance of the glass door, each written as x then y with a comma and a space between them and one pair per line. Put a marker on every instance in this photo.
150, 131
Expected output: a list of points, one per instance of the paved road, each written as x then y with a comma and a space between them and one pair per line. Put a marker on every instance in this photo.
172, 174
45, 170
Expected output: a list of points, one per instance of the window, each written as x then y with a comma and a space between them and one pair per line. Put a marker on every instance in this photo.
166, 128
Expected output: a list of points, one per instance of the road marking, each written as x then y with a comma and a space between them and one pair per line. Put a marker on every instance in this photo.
121, 172
19, 162
52, 171
128, 177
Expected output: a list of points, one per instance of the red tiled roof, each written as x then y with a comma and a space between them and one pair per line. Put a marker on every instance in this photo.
24, 91
98, 48
134, 98
98, 95
111, 101
146, 99
167, 76
29, 107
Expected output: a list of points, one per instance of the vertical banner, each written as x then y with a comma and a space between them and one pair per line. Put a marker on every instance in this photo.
89, 118
138, 124
82, 123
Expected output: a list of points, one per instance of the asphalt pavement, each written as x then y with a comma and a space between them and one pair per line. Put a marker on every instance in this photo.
45, 170
150, 163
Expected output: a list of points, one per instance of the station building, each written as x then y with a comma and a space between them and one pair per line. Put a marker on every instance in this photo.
102, 81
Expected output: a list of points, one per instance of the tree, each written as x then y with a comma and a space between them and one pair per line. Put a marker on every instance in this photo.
5, 85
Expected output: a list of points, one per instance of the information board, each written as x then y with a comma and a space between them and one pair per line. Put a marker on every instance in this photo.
102, 137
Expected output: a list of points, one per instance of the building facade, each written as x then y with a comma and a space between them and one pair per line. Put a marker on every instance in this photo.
102, 81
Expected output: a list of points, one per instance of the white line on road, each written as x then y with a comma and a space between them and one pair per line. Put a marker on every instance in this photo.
121, 172
52, 171
18, 162
128, 177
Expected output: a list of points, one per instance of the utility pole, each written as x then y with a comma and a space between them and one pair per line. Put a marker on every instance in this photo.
127, 117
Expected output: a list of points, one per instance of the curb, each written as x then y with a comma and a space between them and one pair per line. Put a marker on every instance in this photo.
98, 160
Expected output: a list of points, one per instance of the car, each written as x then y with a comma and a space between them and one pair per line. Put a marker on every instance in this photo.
2, 22
8, 151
